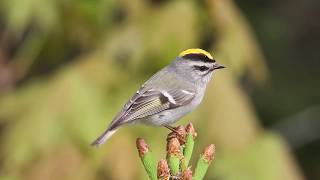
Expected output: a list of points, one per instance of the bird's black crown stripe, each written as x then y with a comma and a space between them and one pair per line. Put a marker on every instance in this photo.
198, 57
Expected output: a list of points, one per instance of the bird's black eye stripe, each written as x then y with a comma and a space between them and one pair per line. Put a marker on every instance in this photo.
201, 68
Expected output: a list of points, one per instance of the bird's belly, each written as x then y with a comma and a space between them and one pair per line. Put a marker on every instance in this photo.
168, 117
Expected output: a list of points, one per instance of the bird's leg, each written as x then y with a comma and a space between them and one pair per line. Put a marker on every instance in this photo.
179, 132
171, 128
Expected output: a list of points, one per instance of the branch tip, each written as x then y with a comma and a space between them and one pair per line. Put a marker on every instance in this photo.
142, 147
163, 171
209, 152
173, 147
190, 130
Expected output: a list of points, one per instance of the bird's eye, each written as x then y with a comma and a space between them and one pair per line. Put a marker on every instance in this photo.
201, 68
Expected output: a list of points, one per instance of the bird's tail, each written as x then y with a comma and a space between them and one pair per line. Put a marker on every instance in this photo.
103, 137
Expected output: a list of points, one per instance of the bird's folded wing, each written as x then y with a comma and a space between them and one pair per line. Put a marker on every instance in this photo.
154, 101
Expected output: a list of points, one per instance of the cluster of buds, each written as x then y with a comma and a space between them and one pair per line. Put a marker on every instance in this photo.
180, 143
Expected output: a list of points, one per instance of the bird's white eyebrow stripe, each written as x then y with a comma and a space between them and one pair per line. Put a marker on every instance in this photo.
170, 98
187, 92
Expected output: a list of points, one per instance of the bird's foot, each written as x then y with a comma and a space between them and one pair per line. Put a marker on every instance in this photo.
171, 128
178, 132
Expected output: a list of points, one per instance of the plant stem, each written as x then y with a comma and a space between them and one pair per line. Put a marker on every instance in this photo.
191, 135
174, 155
204, 162
147, 158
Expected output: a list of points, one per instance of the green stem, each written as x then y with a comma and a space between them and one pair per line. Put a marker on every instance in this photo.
201, 169
187, 152
204, 163
147, 159
173, 162
174, 155
150, 166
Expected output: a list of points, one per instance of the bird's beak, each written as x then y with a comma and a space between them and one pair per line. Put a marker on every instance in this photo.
217, 66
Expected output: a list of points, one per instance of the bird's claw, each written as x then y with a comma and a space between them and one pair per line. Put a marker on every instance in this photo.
178, 132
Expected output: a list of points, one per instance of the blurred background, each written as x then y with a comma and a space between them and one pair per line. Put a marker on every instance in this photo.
67, 67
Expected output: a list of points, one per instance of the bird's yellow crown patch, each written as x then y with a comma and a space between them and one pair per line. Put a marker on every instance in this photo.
196, 51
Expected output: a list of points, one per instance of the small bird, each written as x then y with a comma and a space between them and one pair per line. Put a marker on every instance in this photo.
168, 95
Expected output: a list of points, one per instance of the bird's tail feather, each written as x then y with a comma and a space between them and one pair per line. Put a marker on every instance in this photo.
104, 136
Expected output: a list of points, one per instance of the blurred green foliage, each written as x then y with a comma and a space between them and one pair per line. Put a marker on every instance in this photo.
68, 66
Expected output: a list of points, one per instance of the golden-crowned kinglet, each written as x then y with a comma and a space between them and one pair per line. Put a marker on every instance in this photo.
169, 94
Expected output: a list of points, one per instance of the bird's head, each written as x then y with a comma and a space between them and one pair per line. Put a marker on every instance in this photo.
196, 64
